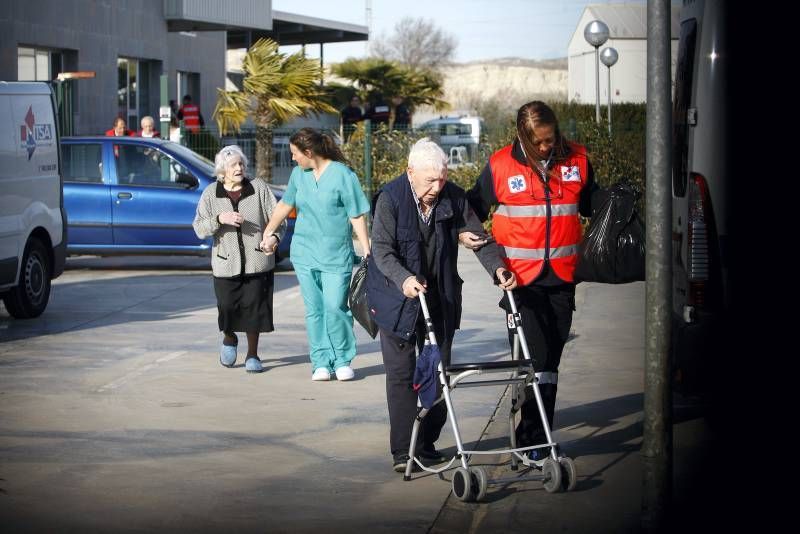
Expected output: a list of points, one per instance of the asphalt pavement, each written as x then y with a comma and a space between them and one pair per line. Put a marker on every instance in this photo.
116, 416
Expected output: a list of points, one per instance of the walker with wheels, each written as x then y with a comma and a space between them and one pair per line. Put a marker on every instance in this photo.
470, 483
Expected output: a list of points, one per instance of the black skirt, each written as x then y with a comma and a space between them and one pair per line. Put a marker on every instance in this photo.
245, 302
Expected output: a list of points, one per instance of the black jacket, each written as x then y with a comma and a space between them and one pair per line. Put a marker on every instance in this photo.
390, 308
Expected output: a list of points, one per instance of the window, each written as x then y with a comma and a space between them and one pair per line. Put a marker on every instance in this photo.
456, 129
82, 163
188, 84
141, 165
35, 64
127, 91
680, 110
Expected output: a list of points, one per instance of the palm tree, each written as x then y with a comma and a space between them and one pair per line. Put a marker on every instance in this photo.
276, 88
378, 76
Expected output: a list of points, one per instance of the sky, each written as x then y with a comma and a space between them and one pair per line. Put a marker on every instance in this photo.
484, 29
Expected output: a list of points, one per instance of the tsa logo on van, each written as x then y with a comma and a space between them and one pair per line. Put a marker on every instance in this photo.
32, 134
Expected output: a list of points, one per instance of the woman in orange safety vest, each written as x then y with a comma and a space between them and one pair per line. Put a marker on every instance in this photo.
539, 184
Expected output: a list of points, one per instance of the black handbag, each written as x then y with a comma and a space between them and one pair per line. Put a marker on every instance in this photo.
357, 300
613, 248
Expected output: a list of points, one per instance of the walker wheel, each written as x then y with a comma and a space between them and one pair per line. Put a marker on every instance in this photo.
462, 485
552, 475
569, 473
479, 481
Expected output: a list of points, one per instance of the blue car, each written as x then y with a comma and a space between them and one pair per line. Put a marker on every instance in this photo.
135, 195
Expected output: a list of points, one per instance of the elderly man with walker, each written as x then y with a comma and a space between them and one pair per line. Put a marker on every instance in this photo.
419, 219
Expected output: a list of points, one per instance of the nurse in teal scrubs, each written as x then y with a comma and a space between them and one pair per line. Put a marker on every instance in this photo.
330, 206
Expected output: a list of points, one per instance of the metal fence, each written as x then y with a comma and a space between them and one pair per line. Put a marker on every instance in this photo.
208, 142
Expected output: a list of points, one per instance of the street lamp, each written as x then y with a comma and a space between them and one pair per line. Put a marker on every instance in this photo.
596, 33
609, 57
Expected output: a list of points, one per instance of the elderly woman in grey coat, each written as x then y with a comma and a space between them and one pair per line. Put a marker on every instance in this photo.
235, 211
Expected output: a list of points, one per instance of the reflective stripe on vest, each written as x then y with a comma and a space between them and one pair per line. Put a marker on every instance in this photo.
547, 377
536, 210
537, 253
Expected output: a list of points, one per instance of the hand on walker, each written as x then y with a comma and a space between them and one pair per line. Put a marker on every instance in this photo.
413, 287
506, 279
232, 218
471, 241
269, 244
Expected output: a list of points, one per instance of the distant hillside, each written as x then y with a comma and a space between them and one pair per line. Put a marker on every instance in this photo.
505, 82
557, 64
506, 78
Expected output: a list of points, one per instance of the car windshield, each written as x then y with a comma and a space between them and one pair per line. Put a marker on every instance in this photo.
194, 158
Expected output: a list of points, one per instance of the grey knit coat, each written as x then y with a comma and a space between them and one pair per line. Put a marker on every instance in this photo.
234, 250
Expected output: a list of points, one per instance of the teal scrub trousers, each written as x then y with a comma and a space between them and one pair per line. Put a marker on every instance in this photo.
329, 322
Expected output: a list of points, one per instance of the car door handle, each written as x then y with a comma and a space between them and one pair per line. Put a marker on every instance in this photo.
124, 195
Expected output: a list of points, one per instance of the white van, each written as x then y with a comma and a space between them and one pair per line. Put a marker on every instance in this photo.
700, 193
33, 239
458, 136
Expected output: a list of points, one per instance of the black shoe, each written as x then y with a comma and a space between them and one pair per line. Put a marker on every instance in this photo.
400, 463
429, 453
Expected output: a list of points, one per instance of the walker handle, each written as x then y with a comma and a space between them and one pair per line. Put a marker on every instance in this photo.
518, 324
428, 322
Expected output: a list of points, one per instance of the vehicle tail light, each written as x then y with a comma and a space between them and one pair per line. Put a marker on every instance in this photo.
698, 240
293, 213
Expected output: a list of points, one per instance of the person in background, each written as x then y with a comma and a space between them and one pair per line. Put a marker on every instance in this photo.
379, 111
419, 219
351, 116
148, 127
539, 184
402, 115
120, 129
174, 129
233, 211
190, 114
330, 205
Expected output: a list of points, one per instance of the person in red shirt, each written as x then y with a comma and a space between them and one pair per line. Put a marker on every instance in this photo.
120, 129
190, 114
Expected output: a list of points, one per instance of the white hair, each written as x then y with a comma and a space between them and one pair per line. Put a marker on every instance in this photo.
222, 157
425, 154
149, 119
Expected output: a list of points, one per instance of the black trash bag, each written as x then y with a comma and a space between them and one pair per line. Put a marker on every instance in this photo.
613, 248
357, 300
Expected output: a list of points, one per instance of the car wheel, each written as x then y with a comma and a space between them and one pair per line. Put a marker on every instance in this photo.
29, 298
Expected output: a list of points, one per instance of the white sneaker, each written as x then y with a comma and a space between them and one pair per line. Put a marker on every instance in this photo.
321, 374
345, 373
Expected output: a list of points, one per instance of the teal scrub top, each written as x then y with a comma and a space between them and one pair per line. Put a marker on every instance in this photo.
323, 235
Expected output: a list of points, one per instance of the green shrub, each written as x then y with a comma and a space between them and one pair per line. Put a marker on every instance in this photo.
390, 150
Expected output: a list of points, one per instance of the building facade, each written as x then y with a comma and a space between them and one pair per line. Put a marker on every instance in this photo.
130, 44
627, 24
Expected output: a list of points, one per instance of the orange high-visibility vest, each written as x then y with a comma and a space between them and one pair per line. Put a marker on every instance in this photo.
532, 225
191, 117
